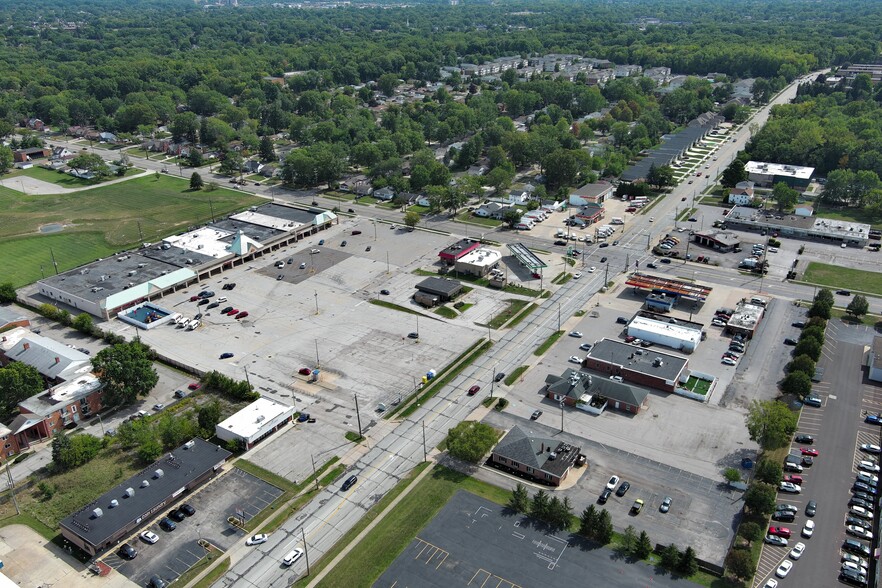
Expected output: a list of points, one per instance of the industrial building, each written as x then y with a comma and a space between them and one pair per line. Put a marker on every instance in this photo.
746, 318
594, 393
135, 502
108, 286
595, 193
452, 253
767, 175
874, 360
478, 262
645, 367
665, 332
798, 227
547, 461
258, 420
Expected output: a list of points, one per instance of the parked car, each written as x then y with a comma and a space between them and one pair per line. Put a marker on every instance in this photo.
873, 419
156, 582
783, 516
623, 489
226, 355
775, 540
871, 448
176, 515
868, 466
241, 315
166, 524
789, 487
612, 483
126, 551
187, 509
604, 496
812, 401
536, 414
806, 439
149, 537
194, 385
780, 532
856, 547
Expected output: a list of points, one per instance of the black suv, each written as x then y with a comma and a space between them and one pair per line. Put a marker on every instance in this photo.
856, 547
166, 524
127, 551
187, 510
604, 496
852, 577
349, 483
176, 515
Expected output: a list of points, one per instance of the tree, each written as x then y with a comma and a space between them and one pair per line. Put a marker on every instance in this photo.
539, 505
733, 174
821, 309
387, 83
808, 346
824, 295
83, 323
150, 450
60, 444
6, 159
470, 440
267, 152
816, 332
209, 415
739, 563
412, 218
801, 363
511, 216
770, 423
643, 547
18, 381
785, 196
196, 182
127, 372
660, 176
629, 539
589, 521
89, 163
858, 306
688, 564
604, 530
797, 383
750, 531
184, 126
7, 292
520, 499
769, 472
195, 159
732, 475
760, 498
670, 557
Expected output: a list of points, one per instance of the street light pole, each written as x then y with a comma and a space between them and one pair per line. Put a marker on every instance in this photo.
357, 415
315, 293
493, 381
561, 416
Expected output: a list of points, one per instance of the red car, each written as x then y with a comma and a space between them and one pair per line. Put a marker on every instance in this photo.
629, 338
631, 209
810, 451
304, 371
242, 315
474, 390
194, 298
194, 386
233, 312
793, 479
780, 532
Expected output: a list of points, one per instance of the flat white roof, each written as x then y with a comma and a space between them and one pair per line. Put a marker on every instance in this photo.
265, 220
779, 169
248, 421
206, 240
481, 256
662, 328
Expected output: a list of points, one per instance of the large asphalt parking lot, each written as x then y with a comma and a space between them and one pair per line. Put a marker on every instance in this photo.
474, 542
178, 550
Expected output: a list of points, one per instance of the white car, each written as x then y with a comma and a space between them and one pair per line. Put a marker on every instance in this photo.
257, 539
771, 583
576, 334
776, 540
790, 487
868, 466
860, 512
728, 361
859, 532
613, 482
797, 551
855, 559
850, 565
809, 529
149, 537
591, 269
784, 569
773, 250
870, 448
868, 479
577, 275
652, 219
574, 359
314, 251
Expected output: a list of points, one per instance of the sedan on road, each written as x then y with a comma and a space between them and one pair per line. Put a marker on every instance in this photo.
809, 529
257, 539
474, 390
536, 414
811, 508
577, 275
576, 334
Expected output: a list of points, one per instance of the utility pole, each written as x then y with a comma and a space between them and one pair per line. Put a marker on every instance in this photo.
12, 488
314, 473
54, 263
425, 453
318, 364
140, 234
606, 274
561, 416
357, 415
315, 293
305, 549
493, 381
247, 379
558, 316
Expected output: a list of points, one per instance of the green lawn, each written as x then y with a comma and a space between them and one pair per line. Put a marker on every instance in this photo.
62, 179
697, 385
102, 220
514, 307
842, 277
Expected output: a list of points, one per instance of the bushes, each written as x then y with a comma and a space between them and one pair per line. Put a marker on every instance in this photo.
70, 452
229, 387
470, 441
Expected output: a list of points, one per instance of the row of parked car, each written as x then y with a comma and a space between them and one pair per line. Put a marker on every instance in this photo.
854, 569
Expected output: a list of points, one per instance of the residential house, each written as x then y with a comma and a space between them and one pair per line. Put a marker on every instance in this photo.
742, 194
517, 196
477, 170
32, 154
269, 170
252, 166
61, 154
35, 124
106, 137
59, 407
492, 210
547, 461
363, 189
385, 194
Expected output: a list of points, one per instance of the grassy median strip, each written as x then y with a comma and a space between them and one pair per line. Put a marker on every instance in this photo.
522, 315
513, 377
213, 576
548, 343
514, 307
367, 560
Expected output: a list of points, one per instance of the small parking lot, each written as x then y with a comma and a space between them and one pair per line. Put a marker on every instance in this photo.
178, 550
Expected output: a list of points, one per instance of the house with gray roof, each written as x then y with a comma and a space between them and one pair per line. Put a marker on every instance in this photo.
544, 460
593, 393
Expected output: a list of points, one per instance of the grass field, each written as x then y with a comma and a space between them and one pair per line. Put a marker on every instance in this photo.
842, 277
101, 221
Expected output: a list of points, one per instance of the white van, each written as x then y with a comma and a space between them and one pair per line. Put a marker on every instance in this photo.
524, 226
292, 556
221, 299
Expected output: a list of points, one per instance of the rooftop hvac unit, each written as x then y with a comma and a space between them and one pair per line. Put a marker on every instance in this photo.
144, 483
158, 474
129, 492
97, 513
114, 503
189, 444
260, 418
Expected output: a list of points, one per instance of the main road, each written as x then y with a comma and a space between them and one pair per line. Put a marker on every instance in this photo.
333, 512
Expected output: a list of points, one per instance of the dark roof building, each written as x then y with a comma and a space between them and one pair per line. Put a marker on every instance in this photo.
874, 360
132, 504
444, 288
453, 252
547, 461
646, 367
593, 393
674, 146
723, 241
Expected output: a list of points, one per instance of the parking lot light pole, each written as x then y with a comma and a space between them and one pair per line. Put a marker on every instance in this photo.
100, 422
561, 416
357, 415
493, 381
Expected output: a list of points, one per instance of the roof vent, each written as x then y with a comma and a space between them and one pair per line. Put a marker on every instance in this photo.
144, 483
114, 503
129, 492
552, 456
189, 444
158, 474
97, 513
